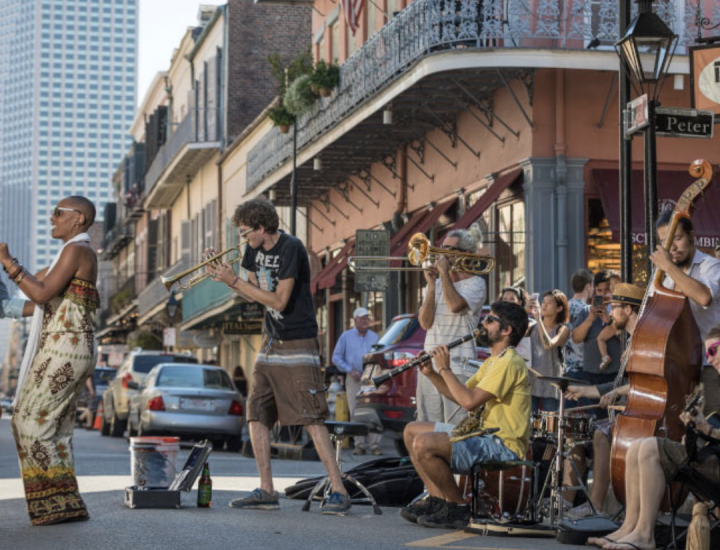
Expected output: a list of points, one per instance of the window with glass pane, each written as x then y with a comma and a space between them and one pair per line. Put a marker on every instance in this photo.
510, 245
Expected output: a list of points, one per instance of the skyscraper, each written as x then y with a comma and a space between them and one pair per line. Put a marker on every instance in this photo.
67, 96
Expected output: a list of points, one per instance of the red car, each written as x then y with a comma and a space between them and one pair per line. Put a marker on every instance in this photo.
390, 407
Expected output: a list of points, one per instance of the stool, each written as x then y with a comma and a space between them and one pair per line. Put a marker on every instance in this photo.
339, 431
511, 494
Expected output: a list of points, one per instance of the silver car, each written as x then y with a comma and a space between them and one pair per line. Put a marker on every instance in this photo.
190, 401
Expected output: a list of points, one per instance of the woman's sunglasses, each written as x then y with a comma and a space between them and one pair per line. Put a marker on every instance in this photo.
60, 209
712, 350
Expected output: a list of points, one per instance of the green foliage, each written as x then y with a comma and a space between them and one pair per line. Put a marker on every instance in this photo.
299, 97
119, 299
285, 71
144, 339
325, 75
280, 116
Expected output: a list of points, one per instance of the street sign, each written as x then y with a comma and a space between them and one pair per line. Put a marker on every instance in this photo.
674, 122
372, 243
636, 115
251, 311
169, 337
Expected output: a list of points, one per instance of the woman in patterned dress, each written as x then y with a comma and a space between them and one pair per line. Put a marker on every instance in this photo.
61, 355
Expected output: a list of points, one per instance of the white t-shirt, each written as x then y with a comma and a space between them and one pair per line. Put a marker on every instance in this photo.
448, 326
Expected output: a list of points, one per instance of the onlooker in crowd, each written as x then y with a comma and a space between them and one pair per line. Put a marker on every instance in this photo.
582, 286
587, 332
240, 381
717, 251
517, 295
548, 339
450, 311
608, 332
348, 357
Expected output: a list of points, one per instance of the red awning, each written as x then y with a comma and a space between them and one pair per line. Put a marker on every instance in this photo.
671, 185
326, 278
423, 225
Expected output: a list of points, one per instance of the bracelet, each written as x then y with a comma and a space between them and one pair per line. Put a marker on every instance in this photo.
235, 280
22, 276
7, 269
13, 275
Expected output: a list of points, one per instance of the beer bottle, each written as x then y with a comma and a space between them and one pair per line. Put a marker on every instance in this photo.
204, 498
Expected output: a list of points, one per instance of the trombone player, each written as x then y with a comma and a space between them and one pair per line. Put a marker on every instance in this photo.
451, 309
288, 383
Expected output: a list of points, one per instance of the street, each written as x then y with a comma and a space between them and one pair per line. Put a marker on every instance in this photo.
103, 468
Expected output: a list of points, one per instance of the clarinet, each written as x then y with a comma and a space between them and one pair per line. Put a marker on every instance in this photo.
420, 359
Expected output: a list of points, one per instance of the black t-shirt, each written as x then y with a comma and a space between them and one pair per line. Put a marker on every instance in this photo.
288, 259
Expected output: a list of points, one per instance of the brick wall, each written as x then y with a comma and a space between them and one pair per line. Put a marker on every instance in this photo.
256, 31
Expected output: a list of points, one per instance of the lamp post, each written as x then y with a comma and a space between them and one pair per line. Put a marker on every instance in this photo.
645, 51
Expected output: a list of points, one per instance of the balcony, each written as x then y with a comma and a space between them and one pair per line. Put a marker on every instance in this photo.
117, 238
209, 303
433, 60
155, 295
193, 143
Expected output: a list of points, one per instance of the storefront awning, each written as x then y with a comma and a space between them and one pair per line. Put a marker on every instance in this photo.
671, 185
326, 278
426, 219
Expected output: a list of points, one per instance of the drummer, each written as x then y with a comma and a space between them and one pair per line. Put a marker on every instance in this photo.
625, 305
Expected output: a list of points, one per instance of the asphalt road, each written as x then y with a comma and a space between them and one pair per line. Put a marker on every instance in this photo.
103, 469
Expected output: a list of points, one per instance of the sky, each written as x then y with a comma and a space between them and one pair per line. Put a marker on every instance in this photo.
162, 25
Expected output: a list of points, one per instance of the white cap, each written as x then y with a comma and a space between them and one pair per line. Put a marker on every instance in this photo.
360, 312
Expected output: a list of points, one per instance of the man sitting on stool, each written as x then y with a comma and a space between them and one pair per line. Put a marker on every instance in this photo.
502, 386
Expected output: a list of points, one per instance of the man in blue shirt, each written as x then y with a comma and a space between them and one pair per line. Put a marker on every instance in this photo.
347, 357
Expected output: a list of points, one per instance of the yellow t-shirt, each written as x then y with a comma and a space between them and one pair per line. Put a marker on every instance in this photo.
506, 377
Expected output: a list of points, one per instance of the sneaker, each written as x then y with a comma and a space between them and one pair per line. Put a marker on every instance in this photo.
583, 511
375, 449
450, 516
424, 507
258, 500
360, 449
337, 504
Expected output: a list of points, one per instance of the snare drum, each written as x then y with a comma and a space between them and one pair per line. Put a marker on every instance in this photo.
545, 424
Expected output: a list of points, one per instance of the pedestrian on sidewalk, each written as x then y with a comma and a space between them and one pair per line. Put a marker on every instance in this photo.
348, 358
60, 356
288, 382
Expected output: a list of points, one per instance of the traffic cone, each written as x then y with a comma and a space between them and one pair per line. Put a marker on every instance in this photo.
98, 417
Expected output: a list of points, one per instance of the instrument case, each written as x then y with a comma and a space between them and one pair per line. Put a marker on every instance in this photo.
169, 497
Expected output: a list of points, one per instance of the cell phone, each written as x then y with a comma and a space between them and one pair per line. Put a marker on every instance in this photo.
535, 296
597, 301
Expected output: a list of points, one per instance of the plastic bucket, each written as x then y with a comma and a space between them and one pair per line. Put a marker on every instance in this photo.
153, 460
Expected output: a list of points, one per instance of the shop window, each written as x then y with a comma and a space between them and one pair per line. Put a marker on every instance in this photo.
510, 245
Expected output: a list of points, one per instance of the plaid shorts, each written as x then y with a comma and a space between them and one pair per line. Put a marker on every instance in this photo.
288, 384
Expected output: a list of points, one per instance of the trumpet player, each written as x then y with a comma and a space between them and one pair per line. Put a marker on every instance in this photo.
451, 309
287, 383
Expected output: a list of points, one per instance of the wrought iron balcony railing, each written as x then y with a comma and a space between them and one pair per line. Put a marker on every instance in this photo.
156, 292
428, 26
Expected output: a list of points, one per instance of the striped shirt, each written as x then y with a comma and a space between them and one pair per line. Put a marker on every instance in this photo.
448, 326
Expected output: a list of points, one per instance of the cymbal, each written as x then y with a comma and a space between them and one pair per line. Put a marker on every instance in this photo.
563, 381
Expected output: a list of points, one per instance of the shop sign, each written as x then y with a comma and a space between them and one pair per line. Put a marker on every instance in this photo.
674, 122
251, 311
241, 327
372, 243
169, 337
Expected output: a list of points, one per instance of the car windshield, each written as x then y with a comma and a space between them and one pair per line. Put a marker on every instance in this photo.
399, 330
103, 377
145, 363
192, 377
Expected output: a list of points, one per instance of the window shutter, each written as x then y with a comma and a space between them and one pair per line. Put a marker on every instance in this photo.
152, 249
185, 229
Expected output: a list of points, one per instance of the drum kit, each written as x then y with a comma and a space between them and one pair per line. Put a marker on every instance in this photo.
511, 501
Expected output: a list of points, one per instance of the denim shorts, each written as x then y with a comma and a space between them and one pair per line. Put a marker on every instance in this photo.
471, 451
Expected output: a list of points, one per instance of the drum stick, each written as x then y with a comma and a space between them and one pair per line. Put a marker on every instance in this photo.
597, 405
536, 373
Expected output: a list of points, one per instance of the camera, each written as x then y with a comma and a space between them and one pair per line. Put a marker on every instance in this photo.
597, 301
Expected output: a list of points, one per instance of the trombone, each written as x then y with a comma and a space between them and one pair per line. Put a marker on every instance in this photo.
419, 252
170, 281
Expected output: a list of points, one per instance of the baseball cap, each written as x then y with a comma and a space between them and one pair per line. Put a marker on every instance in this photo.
360, 312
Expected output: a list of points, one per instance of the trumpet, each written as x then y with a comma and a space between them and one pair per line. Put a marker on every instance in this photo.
419, 252
170, 281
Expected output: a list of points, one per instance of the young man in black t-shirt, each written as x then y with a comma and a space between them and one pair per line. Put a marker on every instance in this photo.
287, 380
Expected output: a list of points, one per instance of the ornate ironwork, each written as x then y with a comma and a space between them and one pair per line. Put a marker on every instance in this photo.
428, 26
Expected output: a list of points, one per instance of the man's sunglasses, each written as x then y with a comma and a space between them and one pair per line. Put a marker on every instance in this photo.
712, 350
60, 209
491, 319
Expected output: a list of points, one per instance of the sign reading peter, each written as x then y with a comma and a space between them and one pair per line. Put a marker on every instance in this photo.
372, 243
674, 122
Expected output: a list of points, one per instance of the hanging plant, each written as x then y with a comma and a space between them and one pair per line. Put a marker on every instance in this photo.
325, 78
281, 118
299, 97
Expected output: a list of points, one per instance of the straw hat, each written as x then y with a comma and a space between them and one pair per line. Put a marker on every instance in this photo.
627, 294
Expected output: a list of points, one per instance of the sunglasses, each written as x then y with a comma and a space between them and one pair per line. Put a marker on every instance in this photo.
712, 350
60, 209
491, 319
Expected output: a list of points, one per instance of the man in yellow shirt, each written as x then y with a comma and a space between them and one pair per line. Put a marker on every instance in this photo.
502, 387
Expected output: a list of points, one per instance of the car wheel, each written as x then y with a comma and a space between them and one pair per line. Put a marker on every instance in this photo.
400, 447
105, 426
117, 426
234, 444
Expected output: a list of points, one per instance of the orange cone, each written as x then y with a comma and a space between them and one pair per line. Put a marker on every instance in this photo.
98, 417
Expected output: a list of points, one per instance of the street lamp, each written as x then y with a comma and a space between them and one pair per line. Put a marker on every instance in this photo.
645, 53
171, 307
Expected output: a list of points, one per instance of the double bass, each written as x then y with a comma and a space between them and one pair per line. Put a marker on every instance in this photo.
665, 355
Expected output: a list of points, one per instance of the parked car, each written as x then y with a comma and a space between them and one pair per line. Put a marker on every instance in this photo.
87, 405
390, 407
188, 400
116, 400
6, 405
